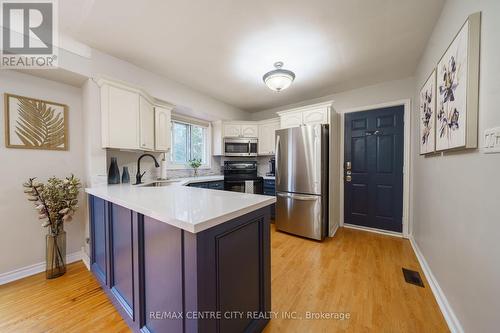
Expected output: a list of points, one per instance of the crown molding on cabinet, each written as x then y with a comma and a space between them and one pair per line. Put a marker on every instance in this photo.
327, 104
102, 80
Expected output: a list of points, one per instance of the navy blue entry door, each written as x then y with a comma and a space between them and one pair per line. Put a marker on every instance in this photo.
373, 168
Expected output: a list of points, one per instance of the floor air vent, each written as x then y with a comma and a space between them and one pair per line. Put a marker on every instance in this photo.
413, 277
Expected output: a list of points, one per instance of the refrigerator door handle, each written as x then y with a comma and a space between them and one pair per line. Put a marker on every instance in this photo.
276, 171
298, 196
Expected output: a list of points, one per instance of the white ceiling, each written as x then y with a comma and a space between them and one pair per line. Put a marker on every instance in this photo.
223, 47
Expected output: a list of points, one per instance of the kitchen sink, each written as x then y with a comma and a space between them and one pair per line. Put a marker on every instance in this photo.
159, 184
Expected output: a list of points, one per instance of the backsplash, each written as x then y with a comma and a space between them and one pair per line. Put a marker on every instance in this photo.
263, 165
129, 159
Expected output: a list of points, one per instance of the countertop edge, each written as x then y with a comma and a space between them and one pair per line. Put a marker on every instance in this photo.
192, 228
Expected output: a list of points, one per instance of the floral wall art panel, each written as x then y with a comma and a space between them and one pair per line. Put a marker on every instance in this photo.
428, 115
457, 89
35, 124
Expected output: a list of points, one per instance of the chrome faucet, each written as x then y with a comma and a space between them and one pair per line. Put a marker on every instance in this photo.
138, 175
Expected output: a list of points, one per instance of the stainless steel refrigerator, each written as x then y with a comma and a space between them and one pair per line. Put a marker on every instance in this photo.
302, 181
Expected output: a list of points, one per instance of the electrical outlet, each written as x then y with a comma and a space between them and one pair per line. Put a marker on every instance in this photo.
492, 140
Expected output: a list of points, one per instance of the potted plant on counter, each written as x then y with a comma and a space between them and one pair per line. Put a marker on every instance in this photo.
56, 202
195, 163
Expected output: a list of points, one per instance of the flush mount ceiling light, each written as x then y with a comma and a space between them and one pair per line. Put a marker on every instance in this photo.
278, 79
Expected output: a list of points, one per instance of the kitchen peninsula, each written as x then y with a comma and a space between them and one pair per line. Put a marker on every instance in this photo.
174, 258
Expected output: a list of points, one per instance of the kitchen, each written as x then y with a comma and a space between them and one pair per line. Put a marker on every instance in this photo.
288, 167
131, 120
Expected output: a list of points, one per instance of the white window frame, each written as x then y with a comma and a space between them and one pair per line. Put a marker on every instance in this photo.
208, 155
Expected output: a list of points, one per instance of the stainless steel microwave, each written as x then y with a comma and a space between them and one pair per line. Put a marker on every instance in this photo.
240, 146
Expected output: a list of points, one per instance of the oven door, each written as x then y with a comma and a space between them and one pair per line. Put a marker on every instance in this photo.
234, 186
239, 186
240, 147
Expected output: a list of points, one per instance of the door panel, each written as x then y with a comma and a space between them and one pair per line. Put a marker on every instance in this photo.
290, 120
147, 124
231, 130
374, 142
249, 131
162, 129
162, 274
99, 233
299, 214
314, 117
122, 257
123, 122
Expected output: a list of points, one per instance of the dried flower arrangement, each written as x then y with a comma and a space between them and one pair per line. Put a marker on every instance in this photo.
56, 202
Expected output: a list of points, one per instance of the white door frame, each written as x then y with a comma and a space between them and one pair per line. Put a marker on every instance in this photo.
406, 163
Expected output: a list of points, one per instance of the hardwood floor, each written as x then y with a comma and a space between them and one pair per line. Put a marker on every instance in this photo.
356, 274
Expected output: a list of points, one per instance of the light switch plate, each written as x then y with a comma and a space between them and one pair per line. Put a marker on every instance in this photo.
492, 140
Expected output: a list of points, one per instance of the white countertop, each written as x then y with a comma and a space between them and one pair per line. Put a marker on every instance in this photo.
189, 208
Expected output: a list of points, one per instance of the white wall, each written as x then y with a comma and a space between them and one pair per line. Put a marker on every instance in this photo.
456, 215
370, 95
22, 239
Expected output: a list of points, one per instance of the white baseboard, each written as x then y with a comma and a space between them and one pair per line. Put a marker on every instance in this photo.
377, 231
85, 259
448, 313
334, 231
34, 269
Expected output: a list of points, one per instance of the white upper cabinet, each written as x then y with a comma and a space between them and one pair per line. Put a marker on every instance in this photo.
129, 120
308, 115
230, 129
217, 138
163, 125
292, 119
249, 130
267, 131
147, 123
120, 118
241, 129
313, 117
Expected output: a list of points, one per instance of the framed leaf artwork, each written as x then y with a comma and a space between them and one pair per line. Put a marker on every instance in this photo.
35, 124
428, 115
458, 89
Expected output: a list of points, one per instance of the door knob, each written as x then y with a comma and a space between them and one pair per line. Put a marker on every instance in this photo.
348, 165
348, 178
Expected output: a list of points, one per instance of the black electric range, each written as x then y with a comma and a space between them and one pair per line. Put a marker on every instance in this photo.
241, 176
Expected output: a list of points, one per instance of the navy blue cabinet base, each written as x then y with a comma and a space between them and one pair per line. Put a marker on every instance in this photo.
164, 279
270, 189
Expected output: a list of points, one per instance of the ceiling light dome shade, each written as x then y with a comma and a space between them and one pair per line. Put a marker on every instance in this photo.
279, 79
